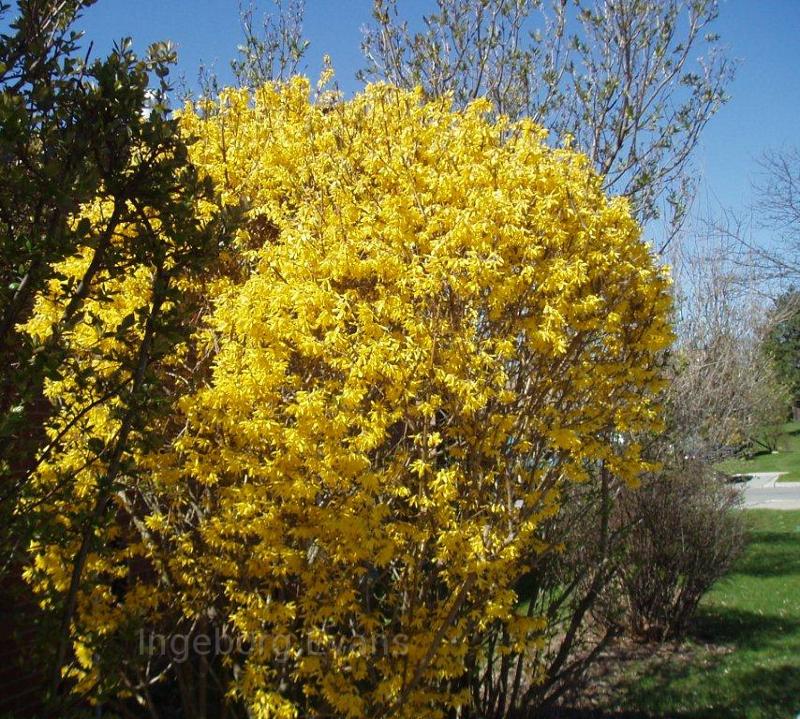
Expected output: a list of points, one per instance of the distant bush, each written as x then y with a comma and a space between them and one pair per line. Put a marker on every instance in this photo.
684, 534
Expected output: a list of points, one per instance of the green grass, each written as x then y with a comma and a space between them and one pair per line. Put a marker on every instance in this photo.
754, 616
786, 460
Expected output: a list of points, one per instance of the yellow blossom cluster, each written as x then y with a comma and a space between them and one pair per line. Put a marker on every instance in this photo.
428, 322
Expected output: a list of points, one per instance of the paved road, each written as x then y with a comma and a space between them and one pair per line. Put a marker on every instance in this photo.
764, 491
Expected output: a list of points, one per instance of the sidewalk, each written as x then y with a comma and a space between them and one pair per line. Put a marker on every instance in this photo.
764, 491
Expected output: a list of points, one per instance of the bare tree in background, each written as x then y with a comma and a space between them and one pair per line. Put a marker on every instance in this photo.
725, 393
632, 82
274, 50
766, 246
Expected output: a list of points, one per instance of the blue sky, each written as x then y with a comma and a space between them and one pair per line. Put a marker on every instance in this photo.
762, 35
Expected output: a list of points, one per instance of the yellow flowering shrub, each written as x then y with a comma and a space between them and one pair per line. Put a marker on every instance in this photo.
428, 323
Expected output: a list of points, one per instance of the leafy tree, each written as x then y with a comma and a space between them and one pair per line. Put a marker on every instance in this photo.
98, 189
429, 326
782, 343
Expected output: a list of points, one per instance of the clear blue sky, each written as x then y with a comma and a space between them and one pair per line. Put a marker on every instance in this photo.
763, 35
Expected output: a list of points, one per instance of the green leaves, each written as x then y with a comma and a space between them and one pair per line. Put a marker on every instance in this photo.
97, 183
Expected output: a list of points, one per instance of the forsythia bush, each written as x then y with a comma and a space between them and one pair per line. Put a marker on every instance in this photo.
428, 323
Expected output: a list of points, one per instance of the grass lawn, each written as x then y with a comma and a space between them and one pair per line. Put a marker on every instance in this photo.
786, 460
743, 660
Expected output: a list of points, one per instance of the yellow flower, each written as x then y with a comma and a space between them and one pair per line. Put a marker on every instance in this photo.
428, 322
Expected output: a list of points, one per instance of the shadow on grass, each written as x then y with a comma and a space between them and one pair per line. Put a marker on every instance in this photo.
777, 556
740, 664
741, 629
772, 692
567, 713
713, 684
